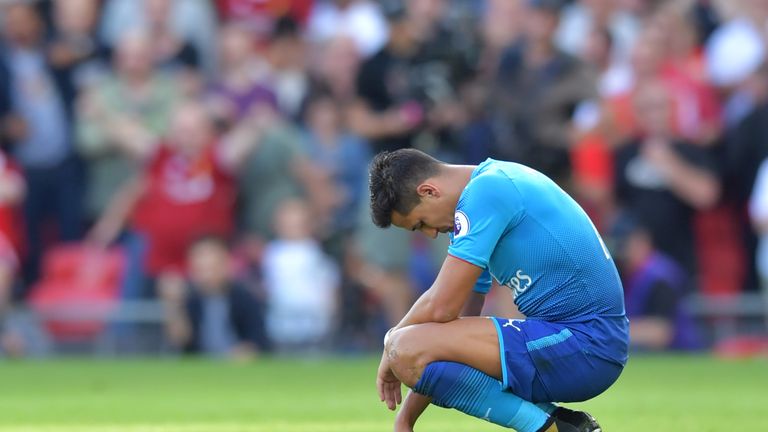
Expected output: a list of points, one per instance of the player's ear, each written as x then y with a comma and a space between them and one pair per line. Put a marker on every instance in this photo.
428, 190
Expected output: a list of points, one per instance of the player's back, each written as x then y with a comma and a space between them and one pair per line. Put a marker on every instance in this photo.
545, 249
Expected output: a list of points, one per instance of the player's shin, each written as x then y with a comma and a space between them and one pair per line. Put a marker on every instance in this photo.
458, 386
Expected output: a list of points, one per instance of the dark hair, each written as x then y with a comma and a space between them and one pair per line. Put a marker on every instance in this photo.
393, 179
285, 27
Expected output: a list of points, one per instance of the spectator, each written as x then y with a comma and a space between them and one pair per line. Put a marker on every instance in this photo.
617, 114
211, 313
744, 150
11, 244
288, 66
334, 68
697, 109
592, 149
501, 26
737, 47
260, 17
622, 25
39, 113
187, 189
170, 50
301, 281
666, 50
120, 119
242, 82
661, 180
537, 90
746, 137
341, 155
654, 290
279, 169
360, 20
758, 211
445, 61
75, 45
386, 113
191, 22
407, 96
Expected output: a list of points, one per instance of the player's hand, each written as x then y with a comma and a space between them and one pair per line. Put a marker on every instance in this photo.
388, 385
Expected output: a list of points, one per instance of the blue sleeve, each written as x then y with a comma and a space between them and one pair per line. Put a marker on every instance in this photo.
488, 207
483, 284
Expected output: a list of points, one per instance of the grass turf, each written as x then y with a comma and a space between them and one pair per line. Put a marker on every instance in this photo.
338, 395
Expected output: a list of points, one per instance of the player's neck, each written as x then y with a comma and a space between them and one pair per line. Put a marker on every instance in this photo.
458, 177
462, 173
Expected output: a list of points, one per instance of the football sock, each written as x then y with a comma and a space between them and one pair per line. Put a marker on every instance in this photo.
547, 407
458, 386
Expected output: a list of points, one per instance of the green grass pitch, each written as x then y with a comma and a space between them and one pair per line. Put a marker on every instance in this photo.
338, 395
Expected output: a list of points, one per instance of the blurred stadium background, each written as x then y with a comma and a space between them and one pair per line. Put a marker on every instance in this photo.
187, 178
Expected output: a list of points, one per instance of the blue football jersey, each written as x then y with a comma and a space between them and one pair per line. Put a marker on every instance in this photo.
532, 237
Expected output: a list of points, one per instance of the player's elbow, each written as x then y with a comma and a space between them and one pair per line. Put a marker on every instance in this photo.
442, 312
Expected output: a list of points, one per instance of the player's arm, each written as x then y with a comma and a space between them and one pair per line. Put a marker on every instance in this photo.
442, 302
445, 299
474, 305
413, 406
476, 300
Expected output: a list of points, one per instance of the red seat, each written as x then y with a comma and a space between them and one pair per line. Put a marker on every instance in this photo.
79, 287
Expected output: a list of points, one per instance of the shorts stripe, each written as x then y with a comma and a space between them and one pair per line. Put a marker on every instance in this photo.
502, 354
548, 341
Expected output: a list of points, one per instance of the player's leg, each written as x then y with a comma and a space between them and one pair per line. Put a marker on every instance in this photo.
458, 364
471, 341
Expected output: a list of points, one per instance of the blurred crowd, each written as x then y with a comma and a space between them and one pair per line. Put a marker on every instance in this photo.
216, 150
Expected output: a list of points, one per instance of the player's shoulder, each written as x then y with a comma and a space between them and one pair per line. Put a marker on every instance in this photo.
493, 182
497, 176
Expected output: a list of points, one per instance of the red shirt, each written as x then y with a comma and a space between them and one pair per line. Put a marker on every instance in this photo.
11, 220
185, 198
695, 102
260, 14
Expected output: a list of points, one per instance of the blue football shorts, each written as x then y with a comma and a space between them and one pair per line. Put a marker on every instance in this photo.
545, 361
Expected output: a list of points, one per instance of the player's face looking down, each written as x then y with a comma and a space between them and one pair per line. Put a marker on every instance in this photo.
432, 216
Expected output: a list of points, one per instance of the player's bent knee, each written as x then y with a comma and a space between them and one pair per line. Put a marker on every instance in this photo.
406, 354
